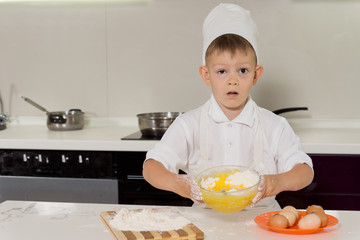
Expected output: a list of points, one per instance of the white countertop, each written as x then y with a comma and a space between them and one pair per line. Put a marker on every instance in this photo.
98, 134
59, 221
327, 136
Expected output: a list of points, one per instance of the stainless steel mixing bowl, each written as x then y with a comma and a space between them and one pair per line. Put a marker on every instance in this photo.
154, 124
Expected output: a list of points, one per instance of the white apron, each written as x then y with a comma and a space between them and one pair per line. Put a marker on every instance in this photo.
259, 138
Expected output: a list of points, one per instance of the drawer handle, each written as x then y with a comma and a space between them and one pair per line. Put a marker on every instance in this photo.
135, 177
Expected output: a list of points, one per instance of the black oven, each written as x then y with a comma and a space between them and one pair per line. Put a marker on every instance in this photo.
133, 189
79, 176
58, 175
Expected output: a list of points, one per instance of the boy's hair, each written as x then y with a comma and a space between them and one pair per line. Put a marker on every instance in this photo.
231, 43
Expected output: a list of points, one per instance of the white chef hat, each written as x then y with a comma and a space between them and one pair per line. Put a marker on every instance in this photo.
229, 18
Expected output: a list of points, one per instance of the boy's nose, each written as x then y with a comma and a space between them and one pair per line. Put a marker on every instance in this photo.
233, 81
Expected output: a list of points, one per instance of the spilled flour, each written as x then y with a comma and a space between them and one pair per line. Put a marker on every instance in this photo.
148, 219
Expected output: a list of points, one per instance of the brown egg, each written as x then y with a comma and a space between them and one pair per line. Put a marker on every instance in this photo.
309, 221
278, 221
323, 218
314, 208
292, 209
320, 212
290, 216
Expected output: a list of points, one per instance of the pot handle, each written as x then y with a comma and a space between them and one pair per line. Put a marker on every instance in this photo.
284, 110
34, 104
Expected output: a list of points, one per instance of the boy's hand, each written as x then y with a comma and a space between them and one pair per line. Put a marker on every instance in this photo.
192, 189
266, 188
300, 176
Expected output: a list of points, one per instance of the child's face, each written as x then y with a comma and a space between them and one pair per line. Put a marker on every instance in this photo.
231, 79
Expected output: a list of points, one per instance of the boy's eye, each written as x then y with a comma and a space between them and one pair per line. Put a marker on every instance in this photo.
243, 70
221, 71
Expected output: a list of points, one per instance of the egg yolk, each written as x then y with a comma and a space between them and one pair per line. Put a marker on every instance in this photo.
222, 185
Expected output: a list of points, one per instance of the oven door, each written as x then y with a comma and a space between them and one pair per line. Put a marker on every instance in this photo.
58, 189
136, 190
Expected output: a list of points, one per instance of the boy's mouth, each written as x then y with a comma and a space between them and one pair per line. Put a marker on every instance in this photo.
232, 94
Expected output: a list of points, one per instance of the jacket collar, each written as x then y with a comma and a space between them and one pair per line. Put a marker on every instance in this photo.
245, 117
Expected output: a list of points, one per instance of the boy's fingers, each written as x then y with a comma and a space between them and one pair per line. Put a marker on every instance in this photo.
256, 199
260, 194
262, 183
195, 193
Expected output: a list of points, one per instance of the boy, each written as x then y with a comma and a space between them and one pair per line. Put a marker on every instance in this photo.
230, 129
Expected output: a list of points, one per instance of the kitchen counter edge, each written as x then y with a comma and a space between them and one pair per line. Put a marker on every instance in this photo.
318, 136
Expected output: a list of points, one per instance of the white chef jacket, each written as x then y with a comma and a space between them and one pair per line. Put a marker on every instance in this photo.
230, 142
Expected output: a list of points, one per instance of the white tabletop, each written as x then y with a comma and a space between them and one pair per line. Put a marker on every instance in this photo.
60, 221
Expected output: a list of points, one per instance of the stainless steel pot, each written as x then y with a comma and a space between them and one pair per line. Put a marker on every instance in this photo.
154, 124
74, 119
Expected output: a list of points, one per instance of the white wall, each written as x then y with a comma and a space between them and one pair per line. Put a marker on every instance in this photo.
120, 60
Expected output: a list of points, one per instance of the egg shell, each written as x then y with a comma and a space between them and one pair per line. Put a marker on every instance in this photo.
292, 209
290, 216
323, 218
309, 221
278, 221
314, 208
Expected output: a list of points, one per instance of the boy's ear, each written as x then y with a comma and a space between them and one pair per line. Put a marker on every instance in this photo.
204, 73
258, 72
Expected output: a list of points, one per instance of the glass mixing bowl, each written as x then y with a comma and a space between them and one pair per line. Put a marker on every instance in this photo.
223, 199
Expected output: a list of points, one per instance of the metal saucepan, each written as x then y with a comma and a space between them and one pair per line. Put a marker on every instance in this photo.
154, 125
73, 119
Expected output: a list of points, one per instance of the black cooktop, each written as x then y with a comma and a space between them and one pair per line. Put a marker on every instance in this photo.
139, 136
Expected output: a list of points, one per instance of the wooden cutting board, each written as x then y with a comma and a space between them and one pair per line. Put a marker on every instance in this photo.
189, 232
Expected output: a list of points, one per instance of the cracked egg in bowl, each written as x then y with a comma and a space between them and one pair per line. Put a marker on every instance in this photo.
228, 188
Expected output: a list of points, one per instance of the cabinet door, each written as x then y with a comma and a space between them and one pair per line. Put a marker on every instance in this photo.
336, 184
